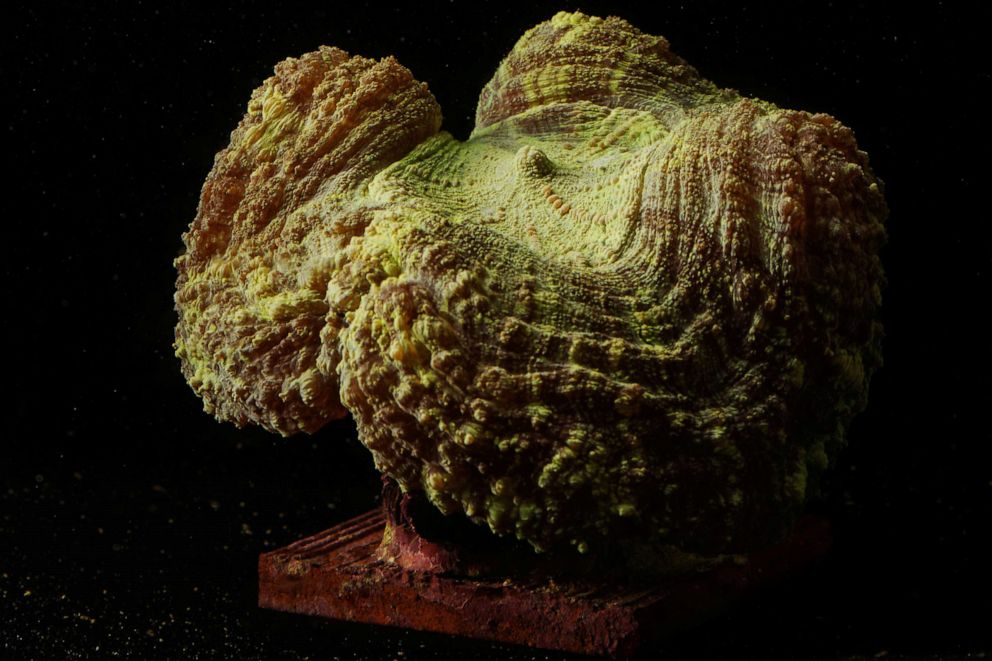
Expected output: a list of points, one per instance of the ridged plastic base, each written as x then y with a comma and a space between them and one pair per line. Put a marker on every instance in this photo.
336, 574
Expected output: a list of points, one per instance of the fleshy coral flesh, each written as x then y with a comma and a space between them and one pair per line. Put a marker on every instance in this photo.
631, 305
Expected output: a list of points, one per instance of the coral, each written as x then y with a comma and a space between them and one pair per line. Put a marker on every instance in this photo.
631, 305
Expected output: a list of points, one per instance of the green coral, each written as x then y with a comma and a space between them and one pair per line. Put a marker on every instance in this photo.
630, 306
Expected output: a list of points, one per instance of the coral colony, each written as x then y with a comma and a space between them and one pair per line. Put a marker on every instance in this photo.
632, 307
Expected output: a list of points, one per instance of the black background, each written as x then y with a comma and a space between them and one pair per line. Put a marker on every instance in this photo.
131, 521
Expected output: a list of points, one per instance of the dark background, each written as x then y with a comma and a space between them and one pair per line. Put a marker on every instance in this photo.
131, 521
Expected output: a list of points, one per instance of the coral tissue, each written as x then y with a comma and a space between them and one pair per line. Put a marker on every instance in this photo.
632, 305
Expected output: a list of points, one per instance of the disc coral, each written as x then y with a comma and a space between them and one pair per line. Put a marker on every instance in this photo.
632, 305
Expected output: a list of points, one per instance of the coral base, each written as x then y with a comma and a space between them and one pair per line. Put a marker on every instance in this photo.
339, 574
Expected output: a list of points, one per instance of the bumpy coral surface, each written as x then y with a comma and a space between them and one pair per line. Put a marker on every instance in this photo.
632, 305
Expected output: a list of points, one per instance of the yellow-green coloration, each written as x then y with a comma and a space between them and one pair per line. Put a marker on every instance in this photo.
630, 306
